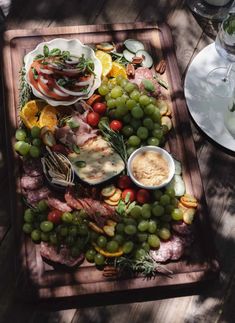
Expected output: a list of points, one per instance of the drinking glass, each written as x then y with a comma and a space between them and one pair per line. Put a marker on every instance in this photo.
221, 80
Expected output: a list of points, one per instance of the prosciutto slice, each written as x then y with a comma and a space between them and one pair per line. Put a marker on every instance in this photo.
79, 135
143, 73
55, 203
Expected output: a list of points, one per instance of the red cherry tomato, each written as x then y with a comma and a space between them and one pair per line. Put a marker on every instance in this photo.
124, 182
115, 125
93, 119
128, 195
142, 196
100, 107
54, 216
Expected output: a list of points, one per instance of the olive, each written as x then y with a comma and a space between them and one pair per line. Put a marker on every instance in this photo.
46, 226
67, 217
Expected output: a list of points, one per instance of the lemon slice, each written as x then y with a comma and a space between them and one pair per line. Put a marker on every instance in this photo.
48, 118
117, 69
106, 61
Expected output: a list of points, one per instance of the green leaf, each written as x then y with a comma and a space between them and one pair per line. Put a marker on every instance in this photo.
46, 50
148, 85
39, 56
162, 83
121, 208
127, 197
35, 73
55, 52
80, 163
76, 149
73, 124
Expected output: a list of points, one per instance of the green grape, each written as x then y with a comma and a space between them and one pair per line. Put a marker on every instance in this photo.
134, 141
130, 150
90, 255
144, 100
134, 95
119, 79
112, 246
69, 240
140, 253
82, 229
99, 259
34, 152
130, 103
130, 229
168, 210
128, 220
153, 100
120, 227
156, 116
137, 112
110, 86
164, 233
119, 238
142, 133
174, 201
111, 103
116, 92
20, 134
128, 247
27, 228
146, 211
142, 236
153, 241
37, 142
129, 87
125, 97
158, 210
170, 191
135, 124
36, 235
45, 236
152, 226
177, 214
120, 101
103, 89
75, 251
157, 194
157, 133
29, 216
102, 241
93, 235
123, 83
35, 132
42, 205
72, 230
148, 123
121, 111
145, 246
22, 147
127, 118
46, 226
153, 141
136, 211
157, 126
149, 109
143, 225
63, 231
165, 200
108, 97
67, 217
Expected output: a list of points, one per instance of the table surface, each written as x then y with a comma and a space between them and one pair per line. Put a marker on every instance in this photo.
212, 304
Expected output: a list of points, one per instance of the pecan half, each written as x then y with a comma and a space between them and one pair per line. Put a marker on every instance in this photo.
137, 60
110, 271
161, 67
130, 70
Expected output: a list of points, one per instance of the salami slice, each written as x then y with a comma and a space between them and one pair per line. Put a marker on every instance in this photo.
164, 253
178, 246
37, 195
62, 257
31, 183
55, 203
32, 167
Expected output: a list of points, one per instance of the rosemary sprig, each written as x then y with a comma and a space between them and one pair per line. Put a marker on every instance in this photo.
115, 139
144, 265
25, 92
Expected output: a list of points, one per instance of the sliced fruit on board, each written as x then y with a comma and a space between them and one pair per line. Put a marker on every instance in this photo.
133, 45
48, 118
106, 61
147, 59
117, 69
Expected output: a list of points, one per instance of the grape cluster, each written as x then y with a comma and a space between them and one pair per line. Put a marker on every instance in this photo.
136, 109
28, 143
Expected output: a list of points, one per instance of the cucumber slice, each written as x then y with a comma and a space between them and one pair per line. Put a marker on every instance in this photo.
133, 45
178, 167
147, 59
128, 55
177, 184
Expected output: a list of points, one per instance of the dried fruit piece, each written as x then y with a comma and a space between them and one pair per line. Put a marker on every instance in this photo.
189, 201
163, 106
116, 196
109, 229
167, 122
108, 254
108, 191
188, 215
106, 47
95, 227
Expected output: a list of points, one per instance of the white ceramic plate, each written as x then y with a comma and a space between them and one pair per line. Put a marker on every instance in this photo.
75, 47
207, 110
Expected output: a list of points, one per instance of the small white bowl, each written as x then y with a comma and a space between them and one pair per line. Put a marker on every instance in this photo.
160, 151
76, 48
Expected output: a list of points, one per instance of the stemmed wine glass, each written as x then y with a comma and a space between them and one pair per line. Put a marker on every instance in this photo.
221, 81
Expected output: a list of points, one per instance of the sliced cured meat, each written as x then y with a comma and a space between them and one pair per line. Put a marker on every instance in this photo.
31, 183
164, 253
37, 195
143, 73
182, 228
62, 257
79, 135
178, 245
32, 167
55, 203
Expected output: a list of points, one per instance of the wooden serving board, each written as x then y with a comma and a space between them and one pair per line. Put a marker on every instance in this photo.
87, 285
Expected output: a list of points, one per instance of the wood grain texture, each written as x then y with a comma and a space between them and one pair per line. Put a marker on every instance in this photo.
216, 303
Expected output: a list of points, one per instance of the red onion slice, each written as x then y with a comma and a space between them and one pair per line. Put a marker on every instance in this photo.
87, 82
45, 71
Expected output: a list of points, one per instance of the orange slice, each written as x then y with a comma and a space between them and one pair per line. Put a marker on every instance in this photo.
117, 69
106, 61
48, 118
29, 113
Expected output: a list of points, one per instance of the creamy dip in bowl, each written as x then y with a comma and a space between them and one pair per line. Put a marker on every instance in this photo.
151, 167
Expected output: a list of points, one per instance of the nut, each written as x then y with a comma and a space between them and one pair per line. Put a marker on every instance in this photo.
137, 60
130, 70
161, 67
110, 271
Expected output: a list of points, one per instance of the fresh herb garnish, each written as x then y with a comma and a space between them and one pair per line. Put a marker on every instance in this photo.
25, 90
35, 73
46, 51
76, 149
80, 163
